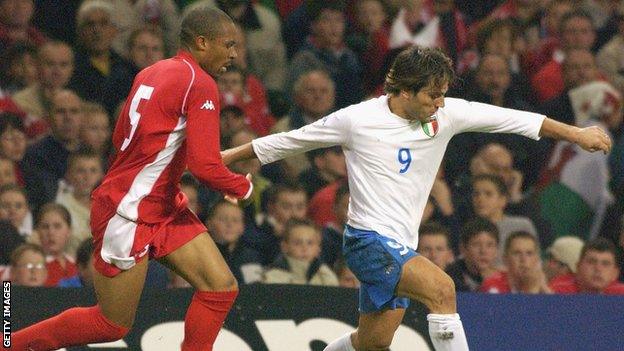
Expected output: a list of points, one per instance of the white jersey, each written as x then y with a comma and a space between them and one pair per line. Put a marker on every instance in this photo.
392, 162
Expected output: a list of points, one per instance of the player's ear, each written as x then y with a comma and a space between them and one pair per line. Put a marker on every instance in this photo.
202, 43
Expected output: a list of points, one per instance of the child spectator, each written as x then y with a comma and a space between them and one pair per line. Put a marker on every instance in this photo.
84, 262
523, 265
434, 244
84, 172
489, 200
283, 202
478, 248
299, 262
225, 224
95, 133
28, 266
54, 231
14, 208
13, 142
346, 278
596, 273
562, 257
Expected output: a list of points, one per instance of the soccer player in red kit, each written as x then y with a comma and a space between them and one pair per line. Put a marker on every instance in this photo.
169, 122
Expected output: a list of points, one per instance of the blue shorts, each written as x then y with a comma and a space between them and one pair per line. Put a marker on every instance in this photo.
377, 261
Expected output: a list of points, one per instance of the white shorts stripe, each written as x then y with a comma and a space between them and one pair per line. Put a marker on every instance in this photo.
118, 241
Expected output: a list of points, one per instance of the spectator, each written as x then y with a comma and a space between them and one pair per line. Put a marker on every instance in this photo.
609, 58
346, 278
489, 200
233, 91
434, 244
159, 16
314, 95
596, 271
325, 49
95, 60
14, 208
226, 225
55, 64
370, 39
11, 239
7, 172
84, 263
523, 265
13, 143
327, 166
145, 47
299, 261
28, 266
45, 162
267, 54
562, 258
478, 248
54, 230
84, 173
15, 24
233, 120
577, 33
19, 67
283, 202
331, 245
95, 133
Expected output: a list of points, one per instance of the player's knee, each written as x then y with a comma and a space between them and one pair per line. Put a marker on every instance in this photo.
223, 282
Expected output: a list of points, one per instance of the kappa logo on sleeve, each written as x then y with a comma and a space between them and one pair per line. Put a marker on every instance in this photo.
208, 105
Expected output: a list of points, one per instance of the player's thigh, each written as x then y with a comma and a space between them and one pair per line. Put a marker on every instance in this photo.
200, 263
423, 281
376, 330
119, 296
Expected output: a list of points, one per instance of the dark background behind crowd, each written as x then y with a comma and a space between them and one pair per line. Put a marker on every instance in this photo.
505, 214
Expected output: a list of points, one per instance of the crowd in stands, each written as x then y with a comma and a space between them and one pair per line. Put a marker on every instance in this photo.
506, 214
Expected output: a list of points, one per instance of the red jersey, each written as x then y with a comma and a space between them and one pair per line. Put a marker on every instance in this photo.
56, 272
170, 122
570, 286
497, 283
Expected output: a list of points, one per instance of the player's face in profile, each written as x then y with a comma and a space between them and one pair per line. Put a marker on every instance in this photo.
220, 51
424, 104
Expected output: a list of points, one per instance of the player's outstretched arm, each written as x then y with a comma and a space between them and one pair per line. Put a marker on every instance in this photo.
243, 152
590, 138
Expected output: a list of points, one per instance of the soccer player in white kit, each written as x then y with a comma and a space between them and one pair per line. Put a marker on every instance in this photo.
393, 147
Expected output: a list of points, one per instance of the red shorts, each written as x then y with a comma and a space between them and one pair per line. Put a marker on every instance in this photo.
120, 243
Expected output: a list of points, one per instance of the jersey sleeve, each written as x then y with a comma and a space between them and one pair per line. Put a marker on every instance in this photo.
333, 129
468, 116
203, 142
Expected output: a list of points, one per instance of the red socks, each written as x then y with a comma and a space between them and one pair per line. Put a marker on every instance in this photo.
205, 317
76, 326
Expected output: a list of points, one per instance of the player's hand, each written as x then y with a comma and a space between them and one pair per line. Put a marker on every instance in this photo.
593, 139
236, 201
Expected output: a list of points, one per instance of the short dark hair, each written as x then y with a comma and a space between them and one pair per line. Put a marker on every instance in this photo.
476, 226
10, 121
599, 244
496, 180
83, 153
296, 222
84, 252
54, 207
492, 26
415, 68
521, 234
432, 228
202, 20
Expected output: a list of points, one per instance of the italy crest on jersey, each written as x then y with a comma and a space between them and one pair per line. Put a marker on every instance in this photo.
430, 127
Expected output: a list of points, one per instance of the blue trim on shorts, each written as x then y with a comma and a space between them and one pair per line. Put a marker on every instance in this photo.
377, 261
